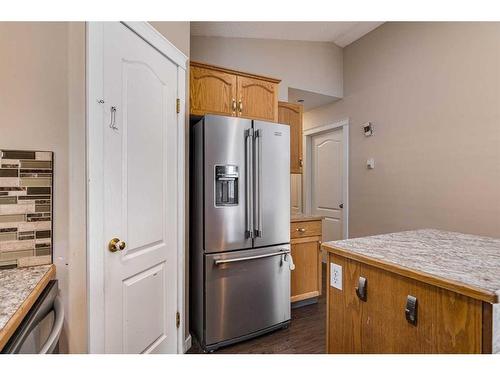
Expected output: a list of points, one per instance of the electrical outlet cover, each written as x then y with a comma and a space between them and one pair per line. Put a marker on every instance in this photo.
336, 276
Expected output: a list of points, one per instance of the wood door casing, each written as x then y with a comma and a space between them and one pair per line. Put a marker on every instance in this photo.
306, 277
212, 91
257, 99
447, 322
291, 114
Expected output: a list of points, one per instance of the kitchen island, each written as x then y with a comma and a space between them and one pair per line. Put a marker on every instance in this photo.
423, 291
19, 289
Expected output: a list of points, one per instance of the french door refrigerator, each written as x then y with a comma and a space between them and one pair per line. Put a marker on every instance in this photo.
240, 257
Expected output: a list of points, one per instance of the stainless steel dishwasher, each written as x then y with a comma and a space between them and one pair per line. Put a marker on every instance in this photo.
40, 330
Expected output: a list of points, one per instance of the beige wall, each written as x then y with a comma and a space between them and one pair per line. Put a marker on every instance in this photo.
311, 66
34, 108
432, 91
177, 33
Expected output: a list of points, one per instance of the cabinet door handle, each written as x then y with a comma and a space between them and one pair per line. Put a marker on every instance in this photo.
411, 309
361, 289
233, 106
240, 106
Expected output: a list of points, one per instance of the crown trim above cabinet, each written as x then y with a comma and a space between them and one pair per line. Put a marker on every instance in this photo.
235, 72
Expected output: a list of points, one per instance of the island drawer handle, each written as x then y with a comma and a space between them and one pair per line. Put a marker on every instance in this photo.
361, 289
301, 230
411, 309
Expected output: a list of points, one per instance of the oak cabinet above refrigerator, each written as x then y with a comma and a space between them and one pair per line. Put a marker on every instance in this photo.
221, 91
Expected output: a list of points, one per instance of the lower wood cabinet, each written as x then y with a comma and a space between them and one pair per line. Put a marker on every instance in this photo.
306, 278
445, 321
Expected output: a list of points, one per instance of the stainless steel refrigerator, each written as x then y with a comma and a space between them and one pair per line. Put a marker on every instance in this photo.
240, 257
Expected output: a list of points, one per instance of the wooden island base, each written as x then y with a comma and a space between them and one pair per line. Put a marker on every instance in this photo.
382, 307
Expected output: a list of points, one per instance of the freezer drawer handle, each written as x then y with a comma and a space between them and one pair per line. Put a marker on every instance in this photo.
222, 261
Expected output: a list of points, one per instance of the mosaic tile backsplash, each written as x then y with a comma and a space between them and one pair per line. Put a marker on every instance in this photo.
25, 207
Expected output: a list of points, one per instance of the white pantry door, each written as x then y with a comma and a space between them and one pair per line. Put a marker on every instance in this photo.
327, 181
140, 182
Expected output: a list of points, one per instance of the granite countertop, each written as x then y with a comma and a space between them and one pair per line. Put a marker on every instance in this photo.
294, 217
470, 260
16, 285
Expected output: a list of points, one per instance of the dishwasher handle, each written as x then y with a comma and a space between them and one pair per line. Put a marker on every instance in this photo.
53, 338
222, 261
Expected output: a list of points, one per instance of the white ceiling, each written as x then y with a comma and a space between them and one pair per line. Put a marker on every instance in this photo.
340, 33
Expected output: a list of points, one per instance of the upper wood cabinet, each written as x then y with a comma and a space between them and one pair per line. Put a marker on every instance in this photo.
212, 91
291, 114
258, 99
228, 92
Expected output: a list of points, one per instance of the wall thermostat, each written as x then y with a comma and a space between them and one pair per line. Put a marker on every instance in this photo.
368, 128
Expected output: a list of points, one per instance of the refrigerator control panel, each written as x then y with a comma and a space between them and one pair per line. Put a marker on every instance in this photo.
226, 185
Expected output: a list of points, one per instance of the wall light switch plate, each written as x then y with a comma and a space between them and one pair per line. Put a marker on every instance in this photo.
368, 129
370, 163
336, 276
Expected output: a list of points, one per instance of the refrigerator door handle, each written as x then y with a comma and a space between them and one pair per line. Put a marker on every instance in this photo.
222, 261
249, 182
258, 213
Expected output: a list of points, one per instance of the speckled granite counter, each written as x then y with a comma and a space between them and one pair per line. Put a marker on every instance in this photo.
466, 259
19, 289
303, 217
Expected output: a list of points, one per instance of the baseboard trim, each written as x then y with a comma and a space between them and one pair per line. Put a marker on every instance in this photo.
187, 343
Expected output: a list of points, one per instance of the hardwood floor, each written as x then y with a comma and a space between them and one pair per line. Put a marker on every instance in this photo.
306, 334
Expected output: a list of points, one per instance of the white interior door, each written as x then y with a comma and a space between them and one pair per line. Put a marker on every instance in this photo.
327, 181
140, 169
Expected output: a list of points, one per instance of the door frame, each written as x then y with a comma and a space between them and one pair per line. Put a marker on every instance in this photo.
307, 147
95, 181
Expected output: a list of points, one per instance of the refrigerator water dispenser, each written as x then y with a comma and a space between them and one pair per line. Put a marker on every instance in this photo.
226, 185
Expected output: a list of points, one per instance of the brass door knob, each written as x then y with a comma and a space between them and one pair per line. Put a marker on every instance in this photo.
116, 244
